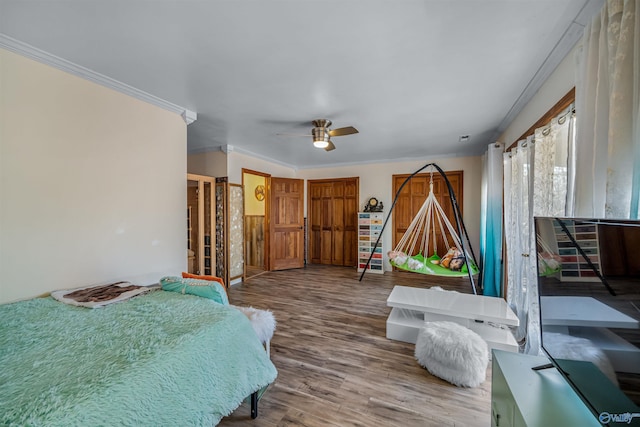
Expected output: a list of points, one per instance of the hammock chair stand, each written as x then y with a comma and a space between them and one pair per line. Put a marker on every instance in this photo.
460, 227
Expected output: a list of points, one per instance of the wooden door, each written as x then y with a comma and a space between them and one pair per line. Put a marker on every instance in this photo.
412, 198
286, 224
333, 207
319, 222
350, 218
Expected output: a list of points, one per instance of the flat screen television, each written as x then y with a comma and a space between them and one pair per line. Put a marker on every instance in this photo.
589, 291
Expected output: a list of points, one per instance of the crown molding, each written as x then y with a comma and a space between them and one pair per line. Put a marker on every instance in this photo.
227, 148
31, 52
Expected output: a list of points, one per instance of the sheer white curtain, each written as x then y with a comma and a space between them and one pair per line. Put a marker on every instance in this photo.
518, 182
535, 180
607, 104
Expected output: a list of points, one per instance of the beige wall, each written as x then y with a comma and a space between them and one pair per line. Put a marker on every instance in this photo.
238, 161
92, 183
210, 163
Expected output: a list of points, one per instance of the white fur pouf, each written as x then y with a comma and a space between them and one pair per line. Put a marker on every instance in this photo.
452, 352
262, 321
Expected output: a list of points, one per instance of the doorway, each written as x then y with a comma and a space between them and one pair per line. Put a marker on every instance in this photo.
200, 224
256, 235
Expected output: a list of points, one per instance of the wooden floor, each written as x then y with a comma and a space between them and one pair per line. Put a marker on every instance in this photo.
335, 365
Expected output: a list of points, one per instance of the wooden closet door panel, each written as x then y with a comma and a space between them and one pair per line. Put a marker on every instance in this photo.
351, 189
337, 257
326, 190
326, 230
351, 223
405, 208
315, 229
403, 211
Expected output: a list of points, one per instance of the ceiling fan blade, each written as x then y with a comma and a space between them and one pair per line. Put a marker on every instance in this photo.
349, 130
330, 147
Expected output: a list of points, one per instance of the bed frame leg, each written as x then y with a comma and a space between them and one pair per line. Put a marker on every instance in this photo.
254, 405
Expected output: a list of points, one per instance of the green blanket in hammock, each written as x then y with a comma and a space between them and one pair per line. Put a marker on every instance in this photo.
161, 359
428, 267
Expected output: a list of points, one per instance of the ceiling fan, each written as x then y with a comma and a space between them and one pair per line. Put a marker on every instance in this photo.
322, 133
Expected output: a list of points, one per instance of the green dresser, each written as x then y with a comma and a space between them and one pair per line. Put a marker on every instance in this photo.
521, 396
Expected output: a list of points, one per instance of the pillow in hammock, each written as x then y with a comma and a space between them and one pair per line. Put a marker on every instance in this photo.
398, 257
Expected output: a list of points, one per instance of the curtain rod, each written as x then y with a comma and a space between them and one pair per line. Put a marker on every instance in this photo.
546, 128
567, 100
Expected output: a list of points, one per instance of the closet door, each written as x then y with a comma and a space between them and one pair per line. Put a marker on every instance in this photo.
332, 211
411, 199
316, 214
350, 237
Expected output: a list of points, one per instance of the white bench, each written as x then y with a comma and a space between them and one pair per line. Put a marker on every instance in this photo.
489, 317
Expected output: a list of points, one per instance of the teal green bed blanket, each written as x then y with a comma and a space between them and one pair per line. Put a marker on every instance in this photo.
160, 359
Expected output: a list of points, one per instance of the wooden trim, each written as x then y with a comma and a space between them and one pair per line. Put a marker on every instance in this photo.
320, 181
201, 224
252, 172
561, 105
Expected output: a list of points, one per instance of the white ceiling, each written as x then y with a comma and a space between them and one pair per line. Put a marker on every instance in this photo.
412, 76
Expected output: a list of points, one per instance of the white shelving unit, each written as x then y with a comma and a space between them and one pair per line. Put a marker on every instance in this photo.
369, 229
574, 267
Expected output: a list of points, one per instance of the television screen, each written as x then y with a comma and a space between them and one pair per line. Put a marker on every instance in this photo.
589, 290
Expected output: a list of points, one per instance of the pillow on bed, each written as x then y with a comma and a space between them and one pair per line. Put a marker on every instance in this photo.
203, 277
201, 288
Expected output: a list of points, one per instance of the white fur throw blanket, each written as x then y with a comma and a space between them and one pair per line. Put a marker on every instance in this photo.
262, 321
452, 352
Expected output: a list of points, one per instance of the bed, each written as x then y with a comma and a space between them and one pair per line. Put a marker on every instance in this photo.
161, 359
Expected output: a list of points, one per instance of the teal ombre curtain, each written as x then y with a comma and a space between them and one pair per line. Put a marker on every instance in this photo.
491, 222
635, 189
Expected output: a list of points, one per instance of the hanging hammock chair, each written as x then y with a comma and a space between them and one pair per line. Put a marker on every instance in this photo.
452, 260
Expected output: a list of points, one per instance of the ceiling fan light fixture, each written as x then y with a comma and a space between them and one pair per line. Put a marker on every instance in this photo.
320, 138
321, 143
